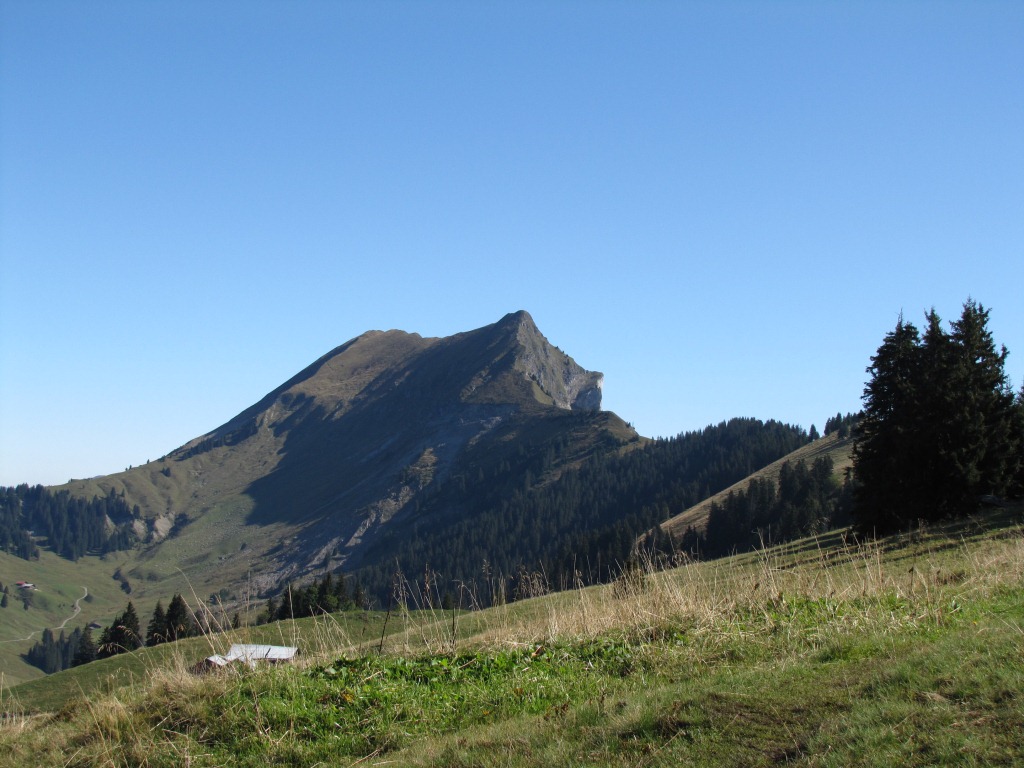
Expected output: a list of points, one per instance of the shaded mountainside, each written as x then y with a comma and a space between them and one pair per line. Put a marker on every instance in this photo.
576, 527
485, 451
310, 475
429, 408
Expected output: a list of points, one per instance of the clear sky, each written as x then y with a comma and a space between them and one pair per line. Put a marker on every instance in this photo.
722, 206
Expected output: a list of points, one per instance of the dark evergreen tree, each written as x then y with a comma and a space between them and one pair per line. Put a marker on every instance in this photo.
270, 612
326, 596
983, 419
359, 600
122, 635
156, 632
180, 621
341, 592
130, 631
931, 472
86, 650
938, 430
888, 431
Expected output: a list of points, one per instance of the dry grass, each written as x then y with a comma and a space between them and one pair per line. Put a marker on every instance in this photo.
765, 611
926, 574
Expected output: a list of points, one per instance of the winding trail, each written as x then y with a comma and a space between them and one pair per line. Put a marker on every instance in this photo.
78, 610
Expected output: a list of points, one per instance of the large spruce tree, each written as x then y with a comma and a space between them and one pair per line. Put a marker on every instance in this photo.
887, 433
156, 632
939, 426
180, 621
86, 650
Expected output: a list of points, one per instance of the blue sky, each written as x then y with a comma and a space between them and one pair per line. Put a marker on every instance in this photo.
722, 206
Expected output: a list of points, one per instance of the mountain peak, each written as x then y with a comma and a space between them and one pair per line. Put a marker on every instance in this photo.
518, 318
381, 428
568, 384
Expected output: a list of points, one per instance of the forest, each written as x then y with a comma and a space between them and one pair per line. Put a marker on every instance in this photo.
68, 525
804, 501
577, 528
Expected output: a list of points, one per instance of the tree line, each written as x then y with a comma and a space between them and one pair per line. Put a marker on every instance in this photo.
70, 526
123, 635
328, 595
805, 500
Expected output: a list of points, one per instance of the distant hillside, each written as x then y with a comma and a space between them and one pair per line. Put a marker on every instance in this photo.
539, 519
838, 449
473, 462
311, 476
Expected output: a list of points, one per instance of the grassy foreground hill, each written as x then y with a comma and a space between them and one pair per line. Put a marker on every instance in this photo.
826, 651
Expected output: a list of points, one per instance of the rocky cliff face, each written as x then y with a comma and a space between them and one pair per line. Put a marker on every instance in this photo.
568, 384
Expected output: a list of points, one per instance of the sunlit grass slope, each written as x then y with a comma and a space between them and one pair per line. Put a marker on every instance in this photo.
832, 652
59, 584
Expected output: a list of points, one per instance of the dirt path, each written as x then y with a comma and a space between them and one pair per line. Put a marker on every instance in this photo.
77, 610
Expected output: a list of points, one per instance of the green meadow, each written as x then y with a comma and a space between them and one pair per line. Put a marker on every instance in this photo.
829, 651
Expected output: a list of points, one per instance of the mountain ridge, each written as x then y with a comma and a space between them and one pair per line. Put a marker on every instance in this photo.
326, 460
478, 458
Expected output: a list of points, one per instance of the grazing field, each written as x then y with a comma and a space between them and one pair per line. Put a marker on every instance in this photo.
828, 651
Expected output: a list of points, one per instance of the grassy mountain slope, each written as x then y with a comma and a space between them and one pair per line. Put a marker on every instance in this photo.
825, 651
60, 583
311, 475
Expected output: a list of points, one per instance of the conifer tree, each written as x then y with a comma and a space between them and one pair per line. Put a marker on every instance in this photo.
887, 431
156, 632
130, 631
341, 591
122, 635
933, 473
938, 429
983, 419
106, 648
270, 613
86, 650
358, 596
180, 623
